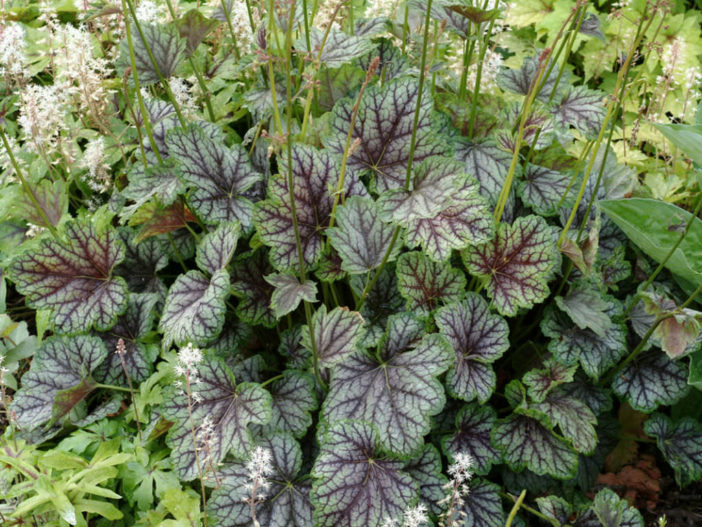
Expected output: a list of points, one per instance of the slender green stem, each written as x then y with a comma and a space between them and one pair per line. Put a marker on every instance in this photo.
145, 117
154, 64
478, 78
228, 18
272, 380
463, 81
111, 387
27, 188
531, 510
517, 504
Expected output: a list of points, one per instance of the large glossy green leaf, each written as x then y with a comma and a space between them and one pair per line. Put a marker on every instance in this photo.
687, 137
654, 227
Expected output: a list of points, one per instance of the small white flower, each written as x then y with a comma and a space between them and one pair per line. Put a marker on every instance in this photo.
147, 11
94, 160
12, 44
461, 469
189, 356
415, 517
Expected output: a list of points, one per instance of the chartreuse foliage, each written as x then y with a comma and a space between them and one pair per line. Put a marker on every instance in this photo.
319, 277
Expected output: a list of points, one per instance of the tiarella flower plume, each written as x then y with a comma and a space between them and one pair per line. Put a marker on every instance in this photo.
147, 12
188, 359
98, 171
382, 8
12, 44
183, 96
461, 472
241, 24
325, 14
412, 517
42, 116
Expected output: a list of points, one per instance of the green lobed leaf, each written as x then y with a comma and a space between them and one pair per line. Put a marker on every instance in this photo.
355, 484
195, 308
588, 308
74, 278
359, 236
396, 389
574, 419
58, 379
52, 197
681, 445
540, 382
555, 508
218, 177
516, 264
425, 284
474, 424
478, 338
230, 409
650, 381
384, 124
336, 334
285, 503
652, 226
289, 292
216, 248
194, 27
314, 176
609, 510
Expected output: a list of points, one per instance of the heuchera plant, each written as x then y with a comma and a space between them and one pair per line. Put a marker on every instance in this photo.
356, 278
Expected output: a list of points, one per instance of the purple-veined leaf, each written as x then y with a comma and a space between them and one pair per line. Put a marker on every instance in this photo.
435, 181
155, 220
289, 292
59, 379
426, 470
359, 236
472, 436
392, 61
339, 48
520, 81
298, 357
598, 399
249, 369
336, 334
355, 483
681, 445
194, 27
384, 127
487, 163
217, 176
575, 420
483, 505
285, 503
396, 389
229, 408
538, 120
131, 327
74, 278
425, 284
542, 189
463, 220
142, 261
337, 83
580, 108
592, 27
253, 291
609, 510
315, 174
540, 382
572, 345
516, 265
526, 443
217, 248
478, 338
555, 508
384, 299
167, 48
293, 399
588, 308
650, 381
195, 308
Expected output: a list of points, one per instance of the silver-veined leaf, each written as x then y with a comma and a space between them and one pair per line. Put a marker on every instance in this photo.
195, 308
254, 293
336, 334
217, 248
396, 389
426, 470
166, 46
575, 420
540, 382
289, 292
355, 483
474, 424
543, 189
483, 505
588, 308
339, 48
293, 398
478, 338
681, 444
580, 108
425, 284
487, 163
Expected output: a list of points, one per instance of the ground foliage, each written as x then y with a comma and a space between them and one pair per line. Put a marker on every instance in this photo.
296, 265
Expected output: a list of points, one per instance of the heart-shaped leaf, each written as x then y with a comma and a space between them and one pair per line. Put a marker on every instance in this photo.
588, 308
228, 408
396, 389
474, 424
195, 308
516, 265
74, 278
575, 420
384, 124
314, 174
650, 381
359, 236
293, 399
58, 379
355, 482
681, 444
217, 176
488, 163
478, 338
483, 505
336, 334
425, 284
